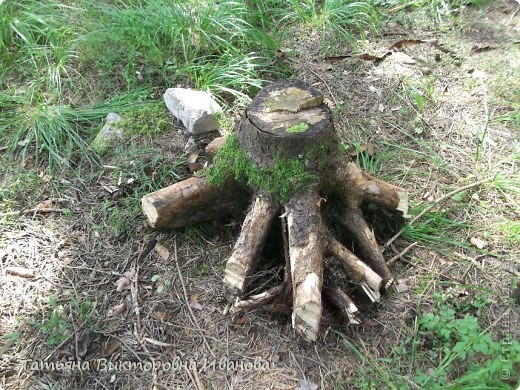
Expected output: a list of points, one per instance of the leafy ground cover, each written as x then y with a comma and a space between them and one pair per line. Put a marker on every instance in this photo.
425, 94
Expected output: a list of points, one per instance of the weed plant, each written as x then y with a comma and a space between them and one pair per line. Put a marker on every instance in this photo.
444, 349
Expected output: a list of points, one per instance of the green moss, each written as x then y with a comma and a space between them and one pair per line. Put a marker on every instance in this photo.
148, 120
281, 180
299, 128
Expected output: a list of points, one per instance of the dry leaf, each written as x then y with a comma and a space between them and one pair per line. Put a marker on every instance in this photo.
401, 286
371, 148
477, 242
411, 42
65, 352
333, 59
370, 57
46, 204
242, 320
361, 56
162, 251
193, 156
116, 310
368, 147
194, 167
125, 281
328, 102
82, 343
306, 385
481, 49
161, 315
112, 346
194, 303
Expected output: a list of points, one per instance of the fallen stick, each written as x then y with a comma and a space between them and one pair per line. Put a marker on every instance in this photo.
34, 211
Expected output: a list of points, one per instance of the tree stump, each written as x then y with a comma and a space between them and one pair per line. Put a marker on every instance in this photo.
285, 160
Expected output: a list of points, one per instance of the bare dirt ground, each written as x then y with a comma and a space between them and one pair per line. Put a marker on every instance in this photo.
424, 109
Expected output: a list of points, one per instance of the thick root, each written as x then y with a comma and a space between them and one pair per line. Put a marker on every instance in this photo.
256, 301
344, 304
306, 258
364, 236
358, 271
190, 201
249, 244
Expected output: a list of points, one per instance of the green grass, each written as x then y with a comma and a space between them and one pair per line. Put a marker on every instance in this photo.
141, 172
337, 21
55, 133
53, 51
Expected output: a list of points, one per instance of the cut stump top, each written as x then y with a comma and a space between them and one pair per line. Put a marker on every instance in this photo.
289, 108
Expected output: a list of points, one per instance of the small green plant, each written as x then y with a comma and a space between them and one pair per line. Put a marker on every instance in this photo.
462, 354
148, 119
55, 324
13, 337
202, 270
160, 283
459, 342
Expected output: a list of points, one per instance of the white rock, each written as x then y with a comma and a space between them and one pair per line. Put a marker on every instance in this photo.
195, 109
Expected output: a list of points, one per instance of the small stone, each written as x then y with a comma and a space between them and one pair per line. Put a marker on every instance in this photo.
108, 135
195, 109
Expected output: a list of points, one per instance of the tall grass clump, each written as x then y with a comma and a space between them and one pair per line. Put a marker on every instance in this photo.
173, 41
336, 20
37, 42
35, 128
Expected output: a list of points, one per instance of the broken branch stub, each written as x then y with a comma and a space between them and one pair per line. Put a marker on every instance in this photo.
286, 153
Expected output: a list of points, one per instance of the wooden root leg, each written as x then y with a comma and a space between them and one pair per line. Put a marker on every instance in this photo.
364, 236
357, 271
190, 201
362, 187
249, 244
337, 295
256, 301
305, 232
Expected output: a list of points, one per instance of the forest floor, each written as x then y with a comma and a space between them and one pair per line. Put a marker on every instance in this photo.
441, 116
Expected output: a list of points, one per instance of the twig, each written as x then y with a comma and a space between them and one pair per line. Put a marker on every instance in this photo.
148, 248
324, 83
194, 319
400, 255
198, 383
435, 203
34, 211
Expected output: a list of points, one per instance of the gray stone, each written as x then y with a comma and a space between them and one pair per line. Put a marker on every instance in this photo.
109, 134
195, 109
